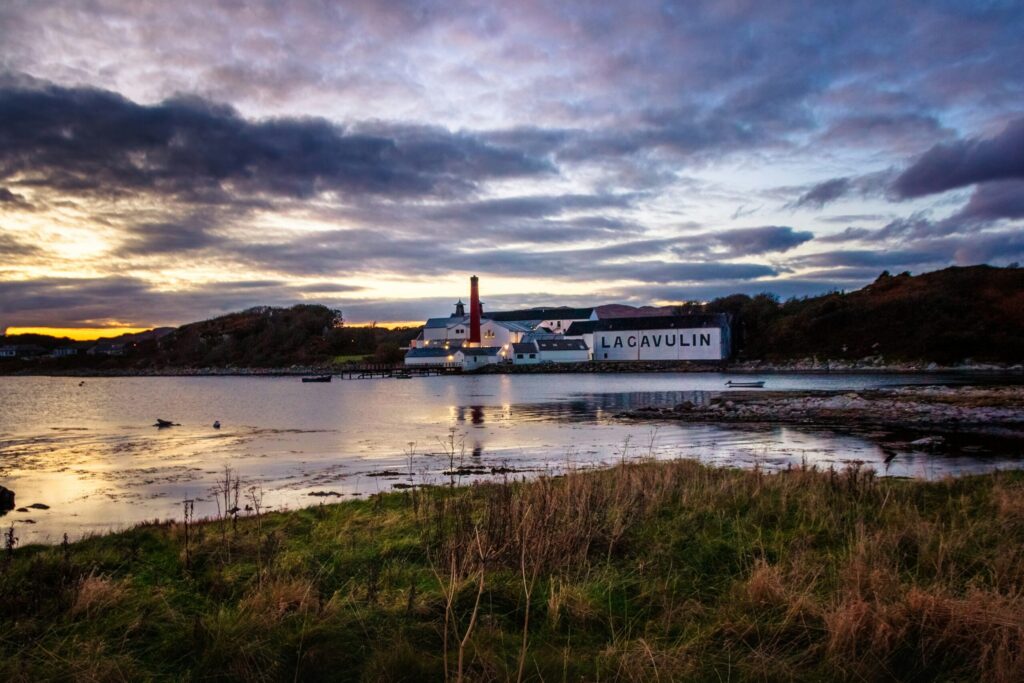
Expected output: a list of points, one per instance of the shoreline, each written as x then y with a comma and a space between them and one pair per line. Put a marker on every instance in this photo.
804, 366
945, 413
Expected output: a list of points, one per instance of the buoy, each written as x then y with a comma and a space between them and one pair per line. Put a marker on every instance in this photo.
216, 424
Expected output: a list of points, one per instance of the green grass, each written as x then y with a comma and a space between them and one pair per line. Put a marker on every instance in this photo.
352, 358
653, 571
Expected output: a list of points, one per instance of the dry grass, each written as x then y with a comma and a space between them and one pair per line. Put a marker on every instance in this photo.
654, 572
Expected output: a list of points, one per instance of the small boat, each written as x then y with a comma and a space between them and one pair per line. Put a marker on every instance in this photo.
746, 385
163, 424
317, 378
401, 374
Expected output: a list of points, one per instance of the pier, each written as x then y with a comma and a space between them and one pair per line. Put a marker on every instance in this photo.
385, 370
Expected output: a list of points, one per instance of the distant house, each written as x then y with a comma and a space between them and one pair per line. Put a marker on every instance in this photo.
21, 351
525, 354
65, 351
107, 349
477, 356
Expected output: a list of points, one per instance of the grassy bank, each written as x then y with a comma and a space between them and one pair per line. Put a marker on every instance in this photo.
656, 571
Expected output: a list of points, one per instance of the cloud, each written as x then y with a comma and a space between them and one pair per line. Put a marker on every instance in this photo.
86, 140
11, 247
70, 302
966, 162
11, 199
828, 191
824, 193
763, 240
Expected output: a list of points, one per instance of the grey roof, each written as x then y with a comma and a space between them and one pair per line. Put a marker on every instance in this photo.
429, 352
543, 313
561, 345
661, 322
434, 323
527, 347
481, 351
514, 325
581, 327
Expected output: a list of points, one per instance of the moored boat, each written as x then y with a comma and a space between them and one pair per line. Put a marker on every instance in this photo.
317, 378
746, 385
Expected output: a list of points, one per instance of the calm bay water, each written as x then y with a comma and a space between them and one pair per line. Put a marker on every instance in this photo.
90, 451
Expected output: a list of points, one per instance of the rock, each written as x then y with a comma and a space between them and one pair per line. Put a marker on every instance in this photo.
22, 510
928, 442
39, 506
6, 499
684, 406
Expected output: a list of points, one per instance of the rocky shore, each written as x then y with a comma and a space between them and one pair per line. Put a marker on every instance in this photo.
932, 408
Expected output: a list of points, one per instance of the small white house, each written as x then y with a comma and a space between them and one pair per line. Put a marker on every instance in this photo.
562, 350
525, 354
477, 357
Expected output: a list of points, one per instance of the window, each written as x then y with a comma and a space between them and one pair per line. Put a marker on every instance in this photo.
519, 356
489, 334
606, 355
558, 324
533, 355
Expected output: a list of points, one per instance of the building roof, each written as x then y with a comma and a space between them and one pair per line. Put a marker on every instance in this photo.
543, 313
481, 351
581, 327
513, 325
435, 323
562, 345
524, 347
661, 322
429, 352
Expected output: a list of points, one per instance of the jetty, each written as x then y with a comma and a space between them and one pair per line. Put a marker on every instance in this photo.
388, 370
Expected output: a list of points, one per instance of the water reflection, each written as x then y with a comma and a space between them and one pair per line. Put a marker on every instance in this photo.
91, 454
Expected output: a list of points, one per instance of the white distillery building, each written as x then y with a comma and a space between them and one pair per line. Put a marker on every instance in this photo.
678, 337
563, 335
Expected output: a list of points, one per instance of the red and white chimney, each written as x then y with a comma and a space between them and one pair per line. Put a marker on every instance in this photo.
474, 310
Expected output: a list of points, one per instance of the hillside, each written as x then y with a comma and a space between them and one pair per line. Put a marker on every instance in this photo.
944, 316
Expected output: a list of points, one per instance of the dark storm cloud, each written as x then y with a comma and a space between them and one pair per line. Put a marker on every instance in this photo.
824, 193
366, 251
11, 199
763, 240
190, 234
828, 191
966, 162
88, 301
992, 202
11, 247
861, 258
88, 140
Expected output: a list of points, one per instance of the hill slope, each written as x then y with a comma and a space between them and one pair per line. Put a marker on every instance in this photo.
945, 316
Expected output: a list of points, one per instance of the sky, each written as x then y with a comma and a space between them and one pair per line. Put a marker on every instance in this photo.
165, 162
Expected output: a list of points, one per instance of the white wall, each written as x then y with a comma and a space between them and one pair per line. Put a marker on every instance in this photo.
525, 360
565, 356
474, 362
437, 360
687, 344
495, 334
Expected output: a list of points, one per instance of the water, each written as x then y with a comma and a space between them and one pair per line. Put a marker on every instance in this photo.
90, 452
